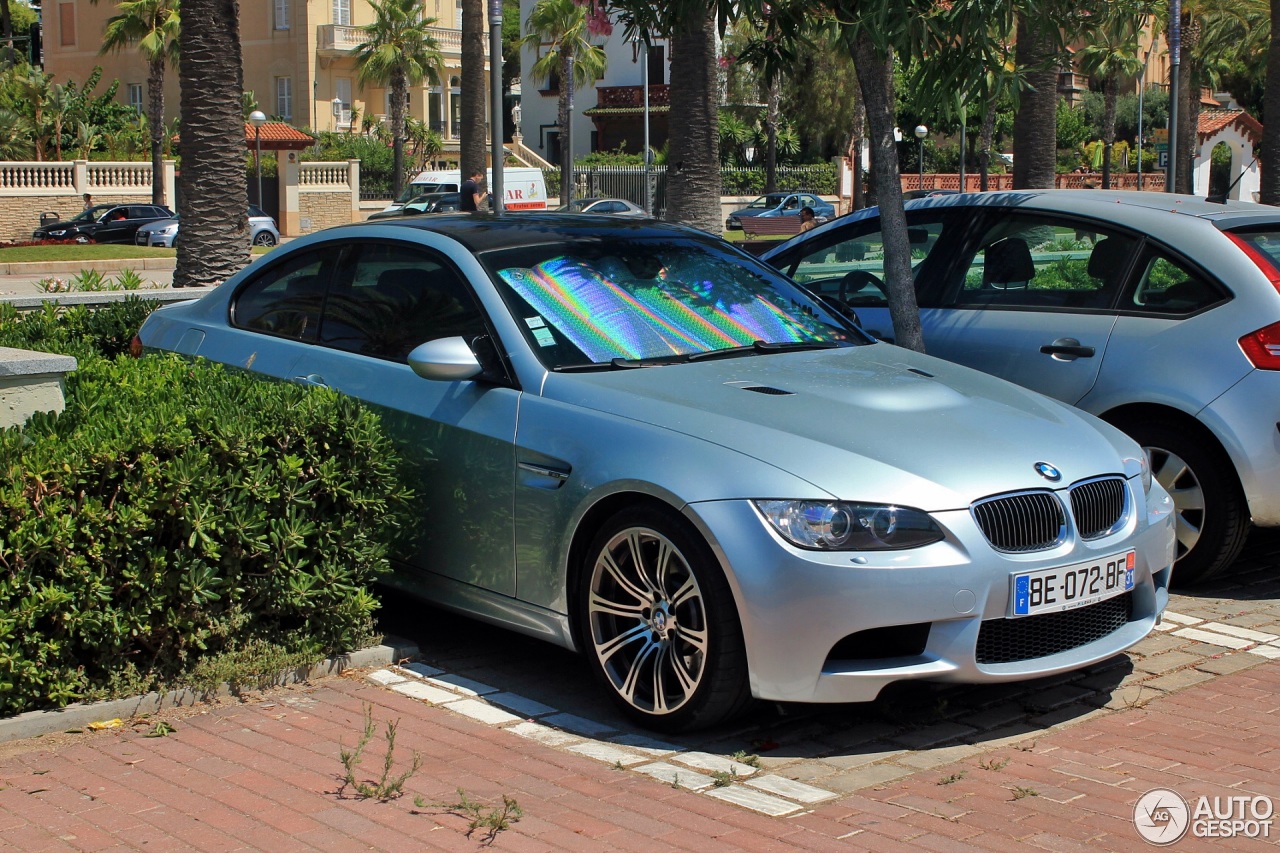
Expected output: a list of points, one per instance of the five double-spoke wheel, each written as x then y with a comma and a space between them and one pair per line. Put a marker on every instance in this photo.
658, 616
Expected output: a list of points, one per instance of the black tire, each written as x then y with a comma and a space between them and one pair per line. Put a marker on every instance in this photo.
665, 643
1212, 516
81, 238
264, 238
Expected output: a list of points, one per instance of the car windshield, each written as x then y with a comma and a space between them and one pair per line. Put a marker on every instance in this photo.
623, 302
766, 201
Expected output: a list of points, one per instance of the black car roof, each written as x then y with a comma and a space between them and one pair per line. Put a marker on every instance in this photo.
482, 232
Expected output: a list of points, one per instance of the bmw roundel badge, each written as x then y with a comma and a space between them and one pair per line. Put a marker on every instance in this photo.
1050, 473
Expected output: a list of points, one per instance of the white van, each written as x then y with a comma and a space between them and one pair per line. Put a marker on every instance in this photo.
523, 187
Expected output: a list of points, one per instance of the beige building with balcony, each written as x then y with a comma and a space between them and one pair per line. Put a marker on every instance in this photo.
299, 61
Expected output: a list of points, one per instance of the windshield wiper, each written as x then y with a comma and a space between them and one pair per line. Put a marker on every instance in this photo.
763, 348
624, 363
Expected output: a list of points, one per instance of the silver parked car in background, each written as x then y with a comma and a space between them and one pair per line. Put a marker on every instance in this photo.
262, 230
640, 442
1158, 313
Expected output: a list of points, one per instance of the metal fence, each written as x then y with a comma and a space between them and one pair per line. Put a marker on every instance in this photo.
628, 182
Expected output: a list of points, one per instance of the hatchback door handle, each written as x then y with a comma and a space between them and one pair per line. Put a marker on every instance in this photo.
1067, 349
314, 380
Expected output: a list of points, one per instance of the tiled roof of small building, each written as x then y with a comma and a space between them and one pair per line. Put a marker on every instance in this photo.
279, 136
1214, 120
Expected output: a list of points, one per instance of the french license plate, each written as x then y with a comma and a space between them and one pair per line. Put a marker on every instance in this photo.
1069, 587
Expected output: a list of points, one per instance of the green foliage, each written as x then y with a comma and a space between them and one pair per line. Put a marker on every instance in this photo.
176, 513
819, 179
377, 160
1073, 127
493, 819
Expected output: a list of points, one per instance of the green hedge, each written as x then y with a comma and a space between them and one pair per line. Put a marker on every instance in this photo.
179, 513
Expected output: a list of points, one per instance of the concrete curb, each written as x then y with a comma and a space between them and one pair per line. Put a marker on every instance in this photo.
104, 297
39, 268
36, 723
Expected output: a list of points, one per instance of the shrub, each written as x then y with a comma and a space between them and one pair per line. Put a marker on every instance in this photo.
77, 331
178, 511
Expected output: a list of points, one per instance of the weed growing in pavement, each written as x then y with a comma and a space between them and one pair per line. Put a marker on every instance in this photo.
387, 787
1019, 792
953, 778
675, 781
746, 758
617, 765
161, 729
1139, 701
723, 778
995, 765
493, 819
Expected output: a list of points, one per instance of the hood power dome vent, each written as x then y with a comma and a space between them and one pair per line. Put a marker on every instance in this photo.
765, 389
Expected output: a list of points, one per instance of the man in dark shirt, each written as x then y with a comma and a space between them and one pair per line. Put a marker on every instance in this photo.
470, 195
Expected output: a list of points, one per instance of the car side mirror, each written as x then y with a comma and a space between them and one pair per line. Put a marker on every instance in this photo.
445, 360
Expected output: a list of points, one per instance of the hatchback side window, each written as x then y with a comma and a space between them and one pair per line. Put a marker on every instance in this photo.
1033, 263
1166, 286
286, 300
388, 299
850, 267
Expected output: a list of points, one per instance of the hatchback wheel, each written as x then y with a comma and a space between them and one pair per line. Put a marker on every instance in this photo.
660, 622
82, 238
264, 238
1212, 521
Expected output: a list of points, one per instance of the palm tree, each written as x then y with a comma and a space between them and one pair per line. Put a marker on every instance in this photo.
693, 157
471, 150
1270, 155
1035, 123
1112, 54
398, 52
153, 26
560, 27
214, 199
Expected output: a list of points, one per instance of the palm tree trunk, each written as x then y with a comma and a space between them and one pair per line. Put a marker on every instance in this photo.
6, 29
1270, 154
693, 176
215, 198
399, 90
875, 75
859, 200
1035, 125
771, 132
985, 138
1110, 94
155, 128
471, 152
1189, 106
562, 121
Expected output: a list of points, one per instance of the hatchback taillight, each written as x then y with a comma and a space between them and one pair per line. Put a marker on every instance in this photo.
135, 347
1262, 347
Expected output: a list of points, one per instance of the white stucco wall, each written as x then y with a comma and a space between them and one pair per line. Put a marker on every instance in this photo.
1243, 159
539, 111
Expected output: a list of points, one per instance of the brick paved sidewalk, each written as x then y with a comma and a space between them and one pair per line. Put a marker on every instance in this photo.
266, 775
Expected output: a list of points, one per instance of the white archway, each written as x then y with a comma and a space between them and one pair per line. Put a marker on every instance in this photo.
1242, 133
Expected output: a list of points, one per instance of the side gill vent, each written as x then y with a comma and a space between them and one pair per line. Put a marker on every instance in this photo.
765, 389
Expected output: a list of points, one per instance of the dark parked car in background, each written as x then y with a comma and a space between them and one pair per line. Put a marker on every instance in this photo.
781, 204
1158, 313
646, 445
424, 203
104, 223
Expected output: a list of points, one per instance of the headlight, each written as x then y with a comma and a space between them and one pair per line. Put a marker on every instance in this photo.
843, 526
57, 233
171, 229
1144, 469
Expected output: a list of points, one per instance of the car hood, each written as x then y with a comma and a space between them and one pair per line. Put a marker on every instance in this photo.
158, 225
876, 423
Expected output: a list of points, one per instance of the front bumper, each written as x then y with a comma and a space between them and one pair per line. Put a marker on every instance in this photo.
797, 606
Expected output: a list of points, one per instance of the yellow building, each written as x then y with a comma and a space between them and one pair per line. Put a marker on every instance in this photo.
299, 61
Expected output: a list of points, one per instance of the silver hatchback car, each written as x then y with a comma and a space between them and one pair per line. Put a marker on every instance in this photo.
262, 230
637, 441
1158, 313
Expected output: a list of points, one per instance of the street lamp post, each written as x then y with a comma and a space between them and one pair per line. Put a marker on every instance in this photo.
337, 111
516, 136
921, 133
257, 118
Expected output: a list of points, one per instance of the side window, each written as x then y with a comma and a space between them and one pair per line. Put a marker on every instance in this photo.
1166, 286
1034, 263
389, 299
285, 300
850, 267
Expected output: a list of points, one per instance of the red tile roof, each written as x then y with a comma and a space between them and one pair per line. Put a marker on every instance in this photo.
279, 136
1214, 120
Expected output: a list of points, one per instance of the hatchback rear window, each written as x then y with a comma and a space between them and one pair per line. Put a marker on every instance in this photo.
1266, 246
